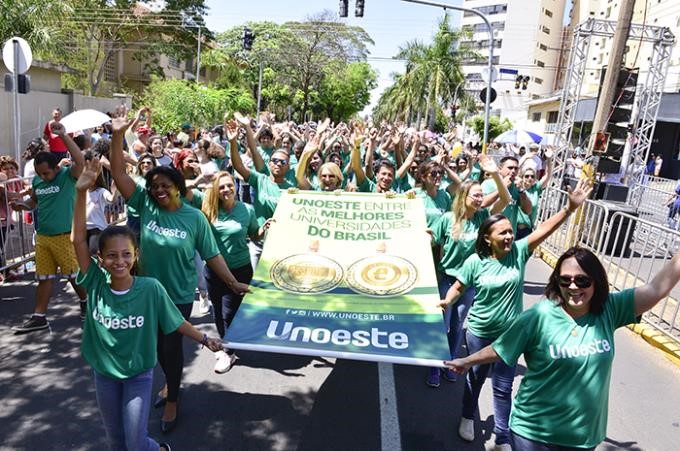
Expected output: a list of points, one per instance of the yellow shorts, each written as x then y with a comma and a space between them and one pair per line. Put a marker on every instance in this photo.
52, 252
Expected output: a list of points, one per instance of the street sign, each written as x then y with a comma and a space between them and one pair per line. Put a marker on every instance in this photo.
482, 95
485, 74
25, 55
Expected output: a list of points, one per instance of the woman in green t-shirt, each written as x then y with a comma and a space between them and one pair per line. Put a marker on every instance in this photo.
232, 222
497, 273
125, 313
455, 233
533, 189
568, 343
171, 233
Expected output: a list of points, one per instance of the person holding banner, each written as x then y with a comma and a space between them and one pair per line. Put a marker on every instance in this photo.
456, 232
567, 341
232, 222
171, 233
497, 273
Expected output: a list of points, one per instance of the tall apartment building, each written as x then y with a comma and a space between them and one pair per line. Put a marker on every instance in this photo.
527, 38
662, 13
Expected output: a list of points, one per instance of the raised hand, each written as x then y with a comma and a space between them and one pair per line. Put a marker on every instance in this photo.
89, 175
488, 164
58, 129
548, 154
578, 195
241, 119
323, 126
120, 122
231, 128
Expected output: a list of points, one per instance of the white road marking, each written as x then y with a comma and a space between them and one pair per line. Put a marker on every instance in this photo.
390, 435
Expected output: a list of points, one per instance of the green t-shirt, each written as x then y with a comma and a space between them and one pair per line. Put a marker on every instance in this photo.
434, 207
498, 285
510, 212
268, 195
454, 251
131, 211
406, 183
56, 200
534, 195
168, 242
231, 230
367, 186
563, 398
121, 330
475, 172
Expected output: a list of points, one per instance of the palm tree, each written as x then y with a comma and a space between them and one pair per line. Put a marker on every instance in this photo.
433, 77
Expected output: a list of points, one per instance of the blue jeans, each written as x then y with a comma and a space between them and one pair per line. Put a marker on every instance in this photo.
502, 377
455, 314
124, 405
520, 443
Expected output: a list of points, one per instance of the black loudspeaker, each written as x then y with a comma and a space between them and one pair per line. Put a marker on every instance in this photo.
610, 191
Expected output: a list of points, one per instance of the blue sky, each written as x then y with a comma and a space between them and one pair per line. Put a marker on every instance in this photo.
390, 23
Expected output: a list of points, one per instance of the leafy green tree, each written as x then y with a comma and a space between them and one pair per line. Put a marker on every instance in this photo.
496, 126
345, 91
31, 20
175, 102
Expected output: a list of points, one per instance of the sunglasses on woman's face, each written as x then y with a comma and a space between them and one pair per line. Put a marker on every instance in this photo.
579, 281
435, 174
279, 162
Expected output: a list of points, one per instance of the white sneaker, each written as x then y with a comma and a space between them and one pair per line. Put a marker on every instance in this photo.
224, 361
203, 303
466, 429
503, 447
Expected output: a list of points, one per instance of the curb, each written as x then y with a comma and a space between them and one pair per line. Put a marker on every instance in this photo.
654, 337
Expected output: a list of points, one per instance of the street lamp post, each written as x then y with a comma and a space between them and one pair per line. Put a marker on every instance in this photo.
487, 102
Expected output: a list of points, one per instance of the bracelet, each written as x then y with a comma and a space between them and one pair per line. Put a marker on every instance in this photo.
567, 210
204, 341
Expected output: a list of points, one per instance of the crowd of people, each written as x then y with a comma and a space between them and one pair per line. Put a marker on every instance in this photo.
199, 204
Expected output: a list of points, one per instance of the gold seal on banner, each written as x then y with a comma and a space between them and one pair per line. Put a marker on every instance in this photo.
381, 275
306, 274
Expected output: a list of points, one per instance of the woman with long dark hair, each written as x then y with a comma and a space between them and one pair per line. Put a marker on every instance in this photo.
568, 343
496, 271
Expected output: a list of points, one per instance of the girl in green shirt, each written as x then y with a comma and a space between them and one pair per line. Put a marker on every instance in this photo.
568, 343
125, 313
497, 273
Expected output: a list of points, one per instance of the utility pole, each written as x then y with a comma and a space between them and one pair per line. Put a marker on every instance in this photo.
613, 68
198, 56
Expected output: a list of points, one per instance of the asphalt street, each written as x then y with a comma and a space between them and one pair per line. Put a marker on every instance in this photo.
285, 402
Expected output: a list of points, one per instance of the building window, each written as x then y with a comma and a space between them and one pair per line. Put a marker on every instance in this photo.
110, 68
538, 81
540, 63
543, 47
552, 117
536, 117
173, 62
545, 29
548, 13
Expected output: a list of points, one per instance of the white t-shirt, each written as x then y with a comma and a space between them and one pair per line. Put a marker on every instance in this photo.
29, 169
97, 200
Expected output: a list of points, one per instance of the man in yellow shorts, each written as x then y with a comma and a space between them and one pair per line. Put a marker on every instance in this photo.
54, 195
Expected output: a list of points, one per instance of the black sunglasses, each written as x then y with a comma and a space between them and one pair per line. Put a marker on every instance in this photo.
435, 173
579, 281
278, 161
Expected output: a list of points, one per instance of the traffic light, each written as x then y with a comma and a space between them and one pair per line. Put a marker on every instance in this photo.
24, 84
343, 8
248, 38
525, 82
618, 121
518, 81
359, 9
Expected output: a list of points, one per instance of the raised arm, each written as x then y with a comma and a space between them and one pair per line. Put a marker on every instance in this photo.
504, 197
403, 169
576, 198
250, 136
231, 128
79, 229
76, 154
355, 160
547, 175
124, 182
648, 295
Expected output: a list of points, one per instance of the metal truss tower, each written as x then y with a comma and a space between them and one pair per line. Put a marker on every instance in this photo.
648, 96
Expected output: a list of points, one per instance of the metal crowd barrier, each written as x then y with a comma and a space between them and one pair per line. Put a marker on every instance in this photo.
632, 249
16, 231
651, 198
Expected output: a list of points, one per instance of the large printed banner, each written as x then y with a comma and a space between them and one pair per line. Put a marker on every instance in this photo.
345, 275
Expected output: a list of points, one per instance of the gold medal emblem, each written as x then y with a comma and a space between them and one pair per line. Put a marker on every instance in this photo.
381, 275
306, 274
